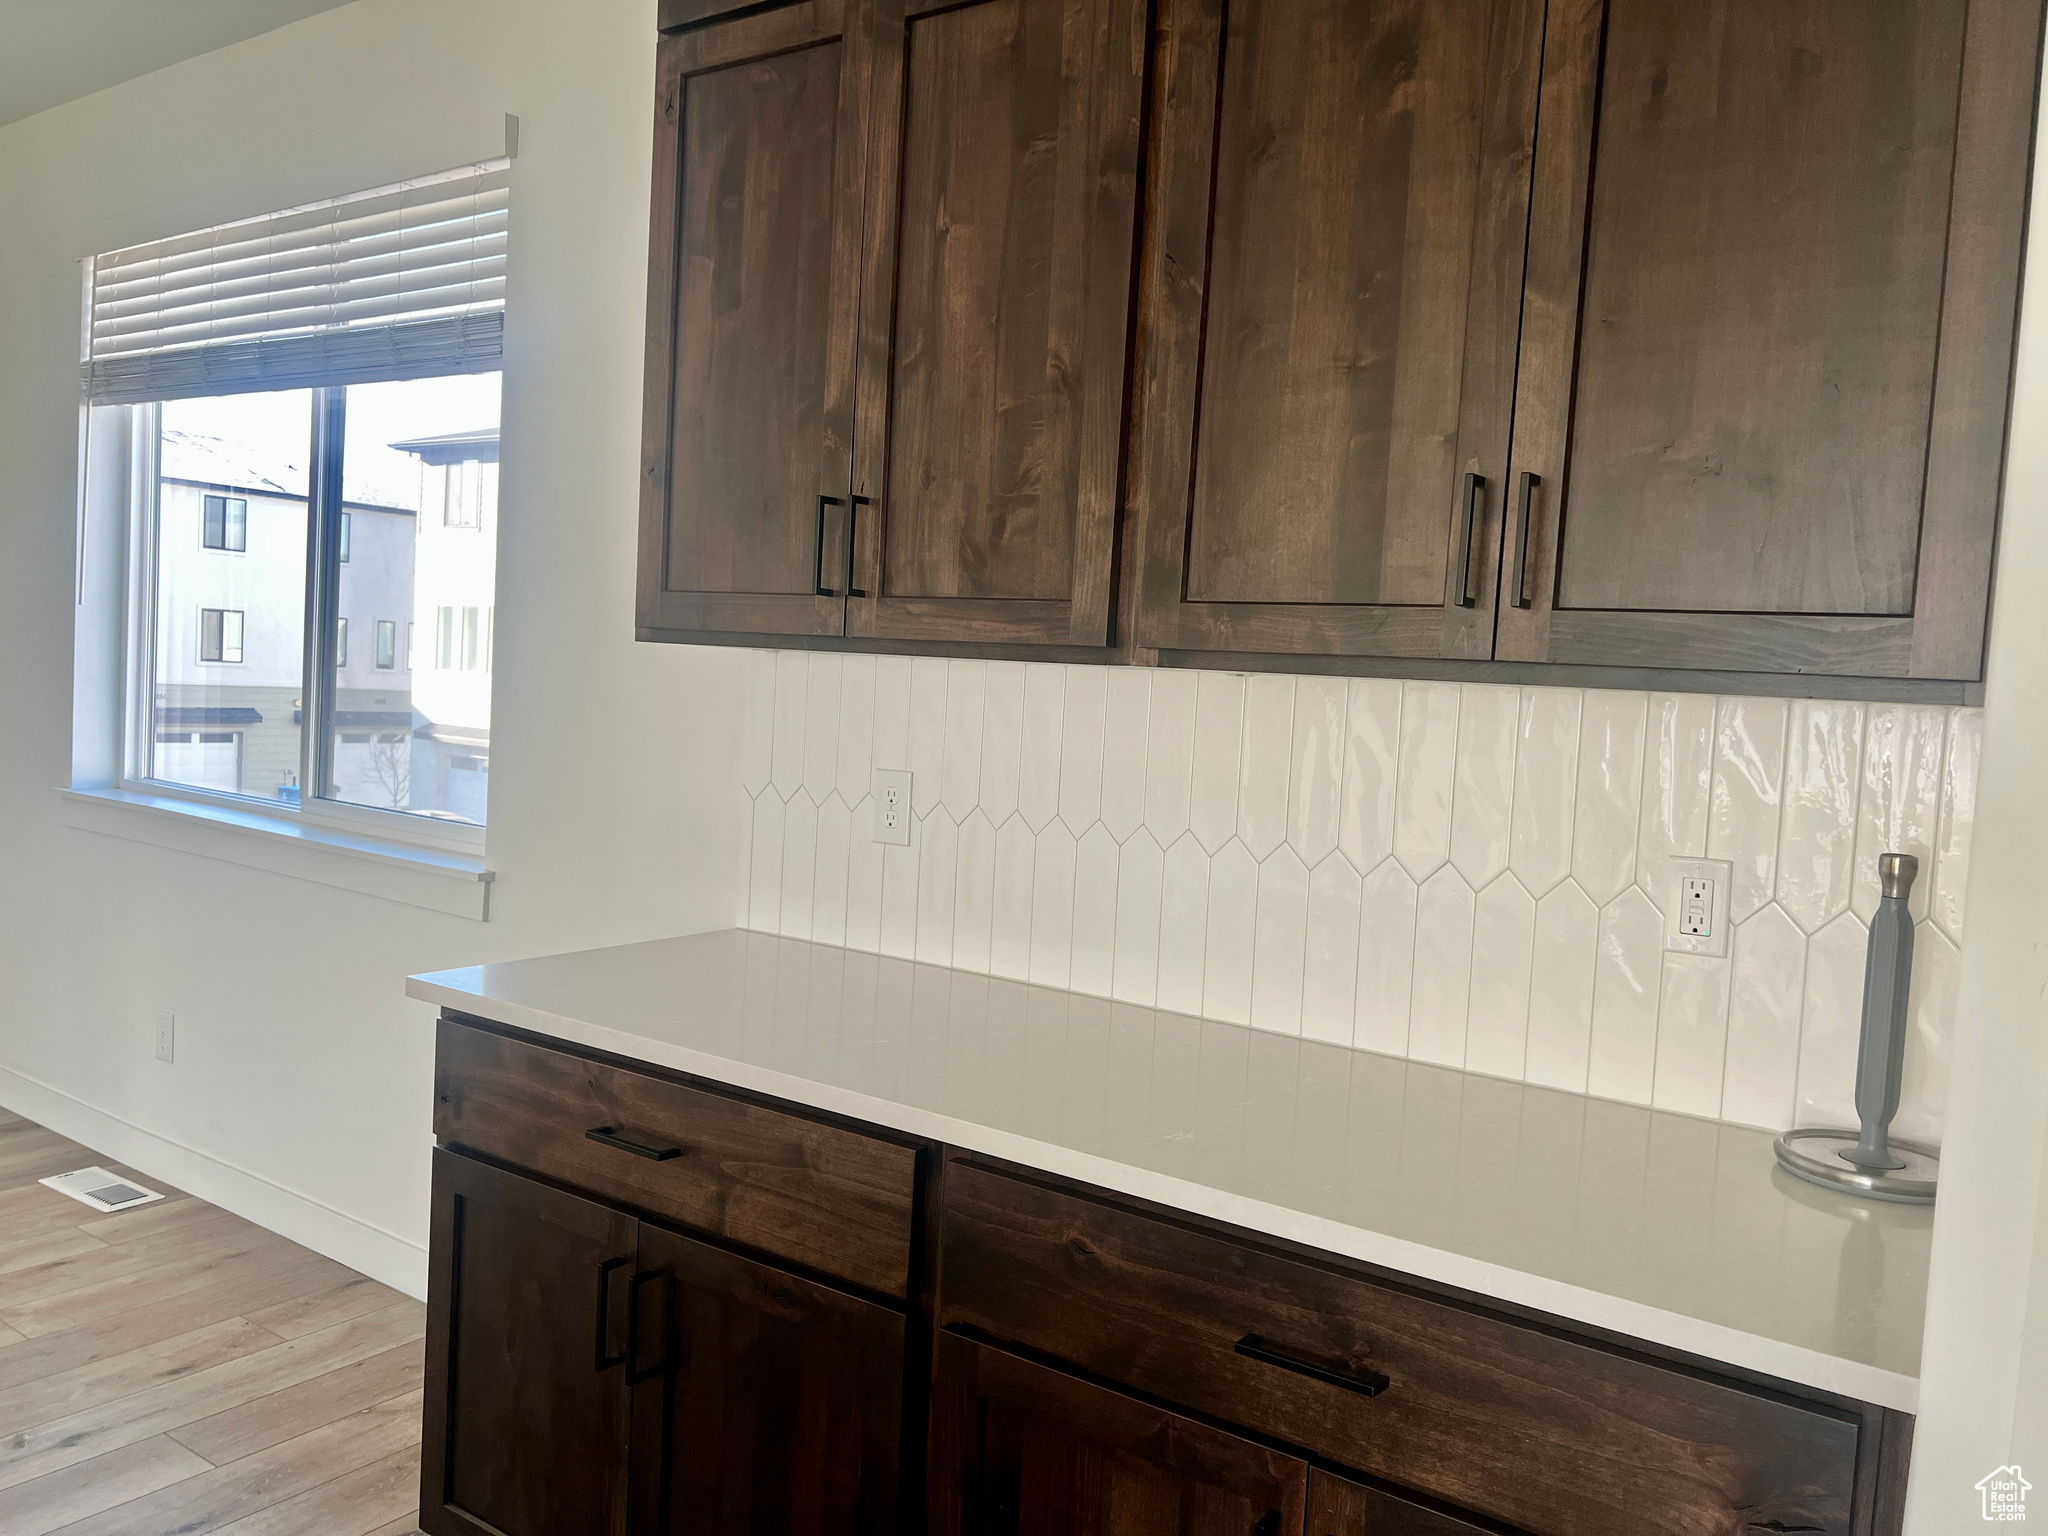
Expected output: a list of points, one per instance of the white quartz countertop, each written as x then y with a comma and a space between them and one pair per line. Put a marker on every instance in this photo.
1659, 1226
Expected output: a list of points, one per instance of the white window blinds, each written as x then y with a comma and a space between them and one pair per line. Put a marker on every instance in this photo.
399, 282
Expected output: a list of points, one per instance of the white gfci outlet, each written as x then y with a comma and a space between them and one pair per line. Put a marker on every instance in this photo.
166, 1036
1696, 910
892, 806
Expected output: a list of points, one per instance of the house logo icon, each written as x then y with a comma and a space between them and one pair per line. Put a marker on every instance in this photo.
2005, 1494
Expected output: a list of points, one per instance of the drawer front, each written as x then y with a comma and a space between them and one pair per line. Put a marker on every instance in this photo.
1543, 1432
833, 1200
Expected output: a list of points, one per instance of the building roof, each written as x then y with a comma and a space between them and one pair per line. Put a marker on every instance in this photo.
240, 466
453, 447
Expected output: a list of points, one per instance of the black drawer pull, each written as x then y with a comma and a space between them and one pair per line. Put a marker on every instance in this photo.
609, 1135
1518, 594
819, 563
1474, 484
1364, 1383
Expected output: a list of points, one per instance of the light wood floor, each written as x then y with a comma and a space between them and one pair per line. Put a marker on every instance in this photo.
175, 1369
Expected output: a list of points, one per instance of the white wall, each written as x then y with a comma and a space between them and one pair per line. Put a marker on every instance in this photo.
301, 1090
1984, 1360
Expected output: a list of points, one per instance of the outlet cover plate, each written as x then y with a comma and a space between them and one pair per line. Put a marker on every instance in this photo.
1718, 873
892, 806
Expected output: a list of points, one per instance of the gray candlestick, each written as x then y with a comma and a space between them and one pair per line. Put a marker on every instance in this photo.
1869, 1161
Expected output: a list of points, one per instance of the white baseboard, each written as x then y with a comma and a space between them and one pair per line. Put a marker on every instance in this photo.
385, 1256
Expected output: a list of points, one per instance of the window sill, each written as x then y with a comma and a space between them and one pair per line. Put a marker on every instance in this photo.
422, 877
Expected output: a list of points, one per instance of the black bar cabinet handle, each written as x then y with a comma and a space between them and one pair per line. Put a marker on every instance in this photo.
854, 504
1364, 1383
1474, 483
1519, 593
604, 1312
635, 1375
609, 1135
818, 574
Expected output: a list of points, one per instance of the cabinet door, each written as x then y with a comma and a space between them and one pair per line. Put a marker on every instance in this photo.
753, 277
996, 320
1019, 1447
1334, 288
526, 1408
1338, 1507
763, 1405
1772, 273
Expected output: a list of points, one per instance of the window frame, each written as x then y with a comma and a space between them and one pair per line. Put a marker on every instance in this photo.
140, 604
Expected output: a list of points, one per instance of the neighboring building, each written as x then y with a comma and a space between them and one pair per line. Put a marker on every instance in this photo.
455, 584
412, 702
231, 583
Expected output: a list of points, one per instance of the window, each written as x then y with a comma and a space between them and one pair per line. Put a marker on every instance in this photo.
225, 523
351, 468
462, 495
220, 634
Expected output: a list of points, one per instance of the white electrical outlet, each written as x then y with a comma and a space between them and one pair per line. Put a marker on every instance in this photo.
1696, 909
892, 806
166, 1036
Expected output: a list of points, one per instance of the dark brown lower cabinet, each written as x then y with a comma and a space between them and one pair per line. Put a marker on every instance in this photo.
594, 1375
1019, 1448
526, 1411
1339, 1507
761, 1402
1062, 1361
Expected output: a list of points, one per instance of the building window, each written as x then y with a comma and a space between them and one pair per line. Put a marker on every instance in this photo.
318, 458
471, 650
224, 523
220, 634
462, 495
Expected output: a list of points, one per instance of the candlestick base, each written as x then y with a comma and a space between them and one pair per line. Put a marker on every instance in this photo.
1815, 1155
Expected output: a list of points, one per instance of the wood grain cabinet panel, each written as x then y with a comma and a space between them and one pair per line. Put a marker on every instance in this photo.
526, 1407
759, 162
1334, 284
996, 319
1756, 402
817, 1195
764, 1405
1541, 1431
1338, 1507
1020, 1448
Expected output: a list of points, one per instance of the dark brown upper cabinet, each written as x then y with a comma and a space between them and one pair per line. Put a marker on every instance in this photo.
760, 163
1773, 265
890, 288
1335, 281
1642, 334
995, 319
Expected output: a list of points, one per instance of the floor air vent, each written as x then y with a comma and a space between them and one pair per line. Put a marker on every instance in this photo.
101, 1190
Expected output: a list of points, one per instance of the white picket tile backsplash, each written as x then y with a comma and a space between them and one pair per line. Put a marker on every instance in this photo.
1465, 874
